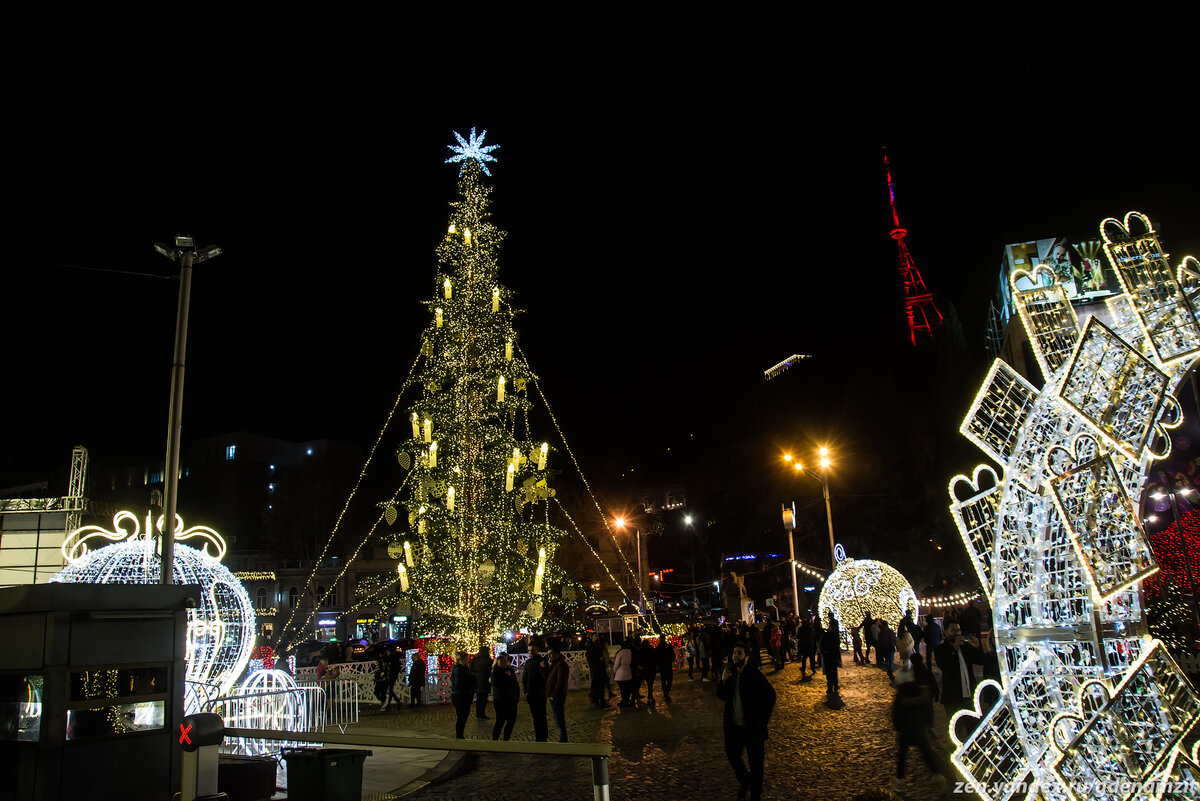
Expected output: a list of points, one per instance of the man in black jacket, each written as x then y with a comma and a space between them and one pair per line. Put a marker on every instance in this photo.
956, 658
749, 699
533, 682
481, 666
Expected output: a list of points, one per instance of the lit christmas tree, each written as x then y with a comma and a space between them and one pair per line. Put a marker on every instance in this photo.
477, 556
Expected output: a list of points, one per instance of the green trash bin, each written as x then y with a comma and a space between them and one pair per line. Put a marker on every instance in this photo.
324, 774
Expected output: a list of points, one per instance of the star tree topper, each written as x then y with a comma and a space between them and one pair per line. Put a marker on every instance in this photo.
472, 148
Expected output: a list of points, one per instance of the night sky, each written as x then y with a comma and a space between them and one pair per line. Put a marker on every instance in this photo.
685, 205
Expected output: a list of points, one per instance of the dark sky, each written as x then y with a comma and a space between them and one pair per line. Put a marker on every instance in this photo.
686, 205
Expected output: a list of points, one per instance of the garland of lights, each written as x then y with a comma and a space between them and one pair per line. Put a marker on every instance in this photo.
579, 470
312, 576
1089, 705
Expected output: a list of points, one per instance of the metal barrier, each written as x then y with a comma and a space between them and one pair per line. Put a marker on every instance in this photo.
340, 701
599, 752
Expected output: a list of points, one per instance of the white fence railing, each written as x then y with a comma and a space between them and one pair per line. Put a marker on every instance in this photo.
361, 675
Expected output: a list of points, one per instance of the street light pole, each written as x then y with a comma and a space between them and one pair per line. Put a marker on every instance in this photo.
789, 522
186, 254
641, 580
829, 520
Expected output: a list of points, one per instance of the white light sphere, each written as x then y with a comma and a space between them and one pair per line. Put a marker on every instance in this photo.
220, 629
859, 586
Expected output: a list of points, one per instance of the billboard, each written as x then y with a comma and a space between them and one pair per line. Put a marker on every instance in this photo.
1078, 264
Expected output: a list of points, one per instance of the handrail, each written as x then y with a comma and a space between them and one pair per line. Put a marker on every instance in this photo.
429, 743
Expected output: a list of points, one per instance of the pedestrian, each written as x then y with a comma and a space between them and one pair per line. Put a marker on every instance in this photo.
805, 646
664, 658
557, 679
776, 647
933, 637
481, 668
395, 663
462, 689
831, 656
955, 658
868, 636
885, 647
533, 682
912, 715
689, 648
646, 669
702, 651
416, 680
749, 699
381, 684
716, 650
818, 634
904, 645
505, 695
856, 642
623, 673
597, 670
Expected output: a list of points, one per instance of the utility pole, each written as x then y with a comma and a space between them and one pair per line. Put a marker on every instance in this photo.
184, 251
789, 522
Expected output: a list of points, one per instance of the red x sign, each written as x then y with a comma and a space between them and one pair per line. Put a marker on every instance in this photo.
183, 734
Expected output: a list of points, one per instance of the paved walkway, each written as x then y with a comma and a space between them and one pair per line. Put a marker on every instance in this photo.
816, 750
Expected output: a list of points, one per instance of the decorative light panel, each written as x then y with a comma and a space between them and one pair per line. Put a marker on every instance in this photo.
1166, 316
1114, 387
1090, 706
976, 520
1000, 408
1048, 317
1103, 525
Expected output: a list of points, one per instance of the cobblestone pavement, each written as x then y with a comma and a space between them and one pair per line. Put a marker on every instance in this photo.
816, 750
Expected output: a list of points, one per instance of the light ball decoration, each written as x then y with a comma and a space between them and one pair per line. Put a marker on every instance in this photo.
859, 586
220, 631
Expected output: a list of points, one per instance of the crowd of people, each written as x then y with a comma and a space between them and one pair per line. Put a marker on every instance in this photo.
731, 655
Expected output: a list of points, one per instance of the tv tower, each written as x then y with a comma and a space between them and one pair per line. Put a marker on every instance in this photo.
923, 316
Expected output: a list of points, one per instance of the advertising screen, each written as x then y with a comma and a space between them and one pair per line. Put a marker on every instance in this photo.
1079, 264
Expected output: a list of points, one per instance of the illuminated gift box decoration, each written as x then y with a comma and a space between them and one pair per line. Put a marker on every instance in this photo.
1085, 695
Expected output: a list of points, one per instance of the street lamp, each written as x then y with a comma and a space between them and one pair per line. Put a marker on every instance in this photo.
687, 521
823, 477
620, 523
184, 251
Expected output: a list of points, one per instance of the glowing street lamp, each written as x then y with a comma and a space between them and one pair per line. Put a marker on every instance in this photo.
620, 523
825, 462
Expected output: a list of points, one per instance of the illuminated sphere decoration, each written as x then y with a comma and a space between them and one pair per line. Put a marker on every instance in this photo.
220, 630
859, 586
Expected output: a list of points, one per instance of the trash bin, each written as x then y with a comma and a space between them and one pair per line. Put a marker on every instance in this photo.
246, 778
324, 774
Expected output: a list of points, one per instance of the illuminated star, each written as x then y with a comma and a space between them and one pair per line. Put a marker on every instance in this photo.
472, 148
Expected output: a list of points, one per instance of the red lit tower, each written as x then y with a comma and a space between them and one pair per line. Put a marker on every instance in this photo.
923, 316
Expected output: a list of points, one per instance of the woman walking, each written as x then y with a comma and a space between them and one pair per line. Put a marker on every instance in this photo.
623, 672
462, 690
505, 694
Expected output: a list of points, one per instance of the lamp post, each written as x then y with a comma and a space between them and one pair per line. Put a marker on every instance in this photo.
789, 523
823, 477
184, 251
620, 523
687, 521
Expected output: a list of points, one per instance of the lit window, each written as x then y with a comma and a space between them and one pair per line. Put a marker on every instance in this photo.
293, 596
230, 452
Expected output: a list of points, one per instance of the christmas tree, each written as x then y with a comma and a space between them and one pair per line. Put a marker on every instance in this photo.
478, 548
